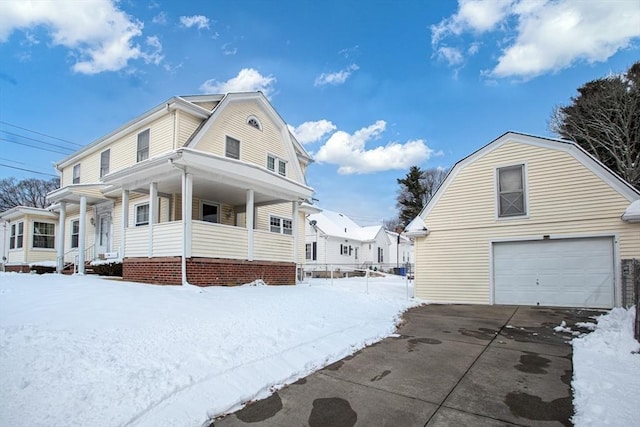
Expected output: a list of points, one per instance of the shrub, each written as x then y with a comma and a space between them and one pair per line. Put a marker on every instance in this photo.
108, 269
42, 269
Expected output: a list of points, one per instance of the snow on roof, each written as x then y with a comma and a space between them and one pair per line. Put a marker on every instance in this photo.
339, 225
632, 213
416, 227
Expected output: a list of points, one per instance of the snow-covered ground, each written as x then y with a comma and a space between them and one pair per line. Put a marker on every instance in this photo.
79, 351
606, 373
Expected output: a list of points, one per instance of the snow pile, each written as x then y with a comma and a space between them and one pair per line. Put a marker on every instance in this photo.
606, 373
83, 350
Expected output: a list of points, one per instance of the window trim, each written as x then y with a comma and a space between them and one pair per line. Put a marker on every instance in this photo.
13, 238
71, 233
281, 226
105, 170
210, 203
525, 190
135, 214
33, 236
257, 120
75, 179
226, 147
147, 148
277, 163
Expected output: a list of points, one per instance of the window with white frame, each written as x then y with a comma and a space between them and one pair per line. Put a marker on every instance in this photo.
380, 255
254, 122
232, 148
104, 162
75, 233
280, 225
76, 174
273, 162
143, 146
44, 235
142, 215
311, 251
210, 212
511, 195
17, 235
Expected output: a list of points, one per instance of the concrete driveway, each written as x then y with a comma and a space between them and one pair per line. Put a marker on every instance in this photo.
450, 365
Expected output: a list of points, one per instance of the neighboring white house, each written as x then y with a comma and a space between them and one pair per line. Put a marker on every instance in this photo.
334, 242
400, 249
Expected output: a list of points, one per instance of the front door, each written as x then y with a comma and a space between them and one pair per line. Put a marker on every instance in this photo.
103, 241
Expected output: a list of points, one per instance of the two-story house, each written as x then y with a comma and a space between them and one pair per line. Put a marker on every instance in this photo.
204, 189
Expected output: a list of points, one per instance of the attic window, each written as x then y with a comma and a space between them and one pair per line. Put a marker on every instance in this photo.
254, 122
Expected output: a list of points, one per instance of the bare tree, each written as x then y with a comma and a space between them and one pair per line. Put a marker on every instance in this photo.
30, 192
604, 119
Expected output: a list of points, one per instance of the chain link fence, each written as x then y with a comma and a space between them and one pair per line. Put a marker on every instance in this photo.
336, 270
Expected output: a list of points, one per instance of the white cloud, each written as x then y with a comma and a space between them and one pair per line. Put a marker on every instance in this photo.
155, 55
452, 55
195, 20
99, 35
541, 36
247, 80
228, 50
350, 154
309, 132
160, 18
337, 77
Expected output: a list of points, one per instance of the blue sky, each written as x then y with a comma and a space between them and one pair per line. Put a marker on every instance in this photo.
370, 88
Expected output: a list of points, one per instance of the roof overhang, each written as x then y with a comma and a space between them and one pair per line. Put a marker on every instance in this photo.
217, 170
632, 213
20, 211
416, 228
73, 193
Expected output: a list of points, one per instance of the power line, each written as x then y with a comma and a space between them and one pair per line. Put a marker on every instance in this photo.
33, 146
42, 134
39, 140
12, 161
28, 170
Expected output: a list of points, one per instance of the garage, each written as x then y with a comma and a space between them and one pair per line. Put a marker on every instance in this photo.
555, 272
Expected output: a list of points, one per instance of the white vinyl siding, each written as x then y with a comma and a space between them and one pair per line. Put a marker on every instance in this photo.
187, 125
565, 199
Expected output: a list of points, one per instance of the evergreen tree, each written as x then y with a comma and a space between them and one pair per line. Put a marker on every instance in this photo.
411, 195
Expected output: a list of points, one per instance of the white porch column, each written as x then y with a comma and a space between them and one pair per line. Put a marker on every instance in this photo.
82, 234
153, 214
187, 191
125, 222
60, 237
294, 229
249, 220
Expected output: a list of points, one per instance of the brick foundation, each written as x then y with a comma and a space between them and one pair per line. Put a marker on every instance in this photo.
207, 271
18, 268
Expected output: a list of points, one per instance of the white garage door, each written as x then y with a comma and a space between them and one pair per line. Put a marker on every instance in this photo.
564, 272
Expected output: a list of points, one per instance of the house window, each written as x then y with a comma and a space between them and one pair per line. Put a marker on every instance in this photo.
254, 122
210, 212
232, 148
142, 215
345, 250
355, 254
17, 235
280, 225
272, 161
311, 250
143, 146
43, 235
75, 233
104, 162
511, 191
380, 255
76, 174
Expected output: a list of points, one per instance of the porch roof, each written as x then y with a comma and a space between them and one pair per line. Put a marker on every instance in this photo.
223, 176
72, 193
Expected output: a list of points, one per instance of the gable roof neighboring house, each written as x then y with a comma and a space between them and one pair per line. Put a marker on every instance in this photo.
527, 220
338, 225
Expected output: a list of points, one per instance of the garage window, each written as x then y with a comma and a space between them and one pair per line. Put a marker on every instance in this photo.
511, 197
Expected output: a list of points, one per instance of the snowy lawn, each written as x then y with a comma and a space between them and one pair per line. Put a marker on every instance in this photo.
606, 373
79, 351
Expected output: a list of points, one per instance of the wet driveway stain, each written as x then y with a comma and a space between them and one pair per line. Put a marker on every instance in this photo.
301, 381
481, 334
332, 412
261, 410
335, 366
412, 344
381, 376
531, 363
534, 408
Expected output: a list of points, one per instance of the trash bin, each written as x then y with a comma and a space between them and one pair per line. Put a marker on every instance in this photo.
403, 271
